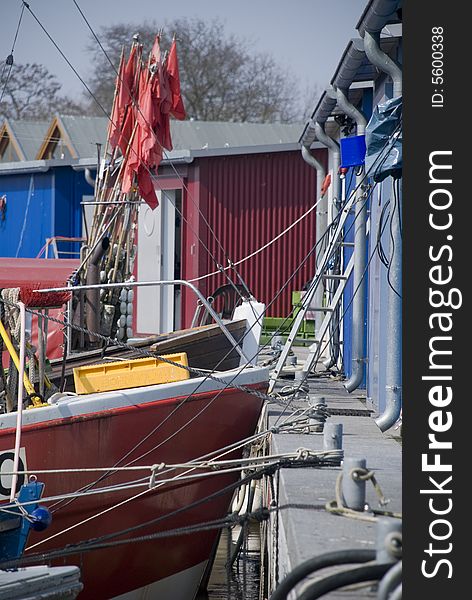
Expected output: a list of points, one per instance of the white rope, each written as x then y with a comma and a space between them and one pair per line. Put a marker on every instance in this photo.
208, 464
25, 220
126, 501
281, 234
301, 453
84, 521
260, 462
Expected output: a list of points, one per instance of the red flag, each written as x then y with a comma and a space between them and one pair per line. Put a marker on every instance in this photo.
146, 187
156, 51
146, 119
134, 157
163, 103
142, 155
126, 95
118, 109
177, 108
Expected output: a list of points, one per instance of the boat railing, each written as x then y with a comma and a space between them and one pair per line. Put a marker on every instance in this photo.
136, 284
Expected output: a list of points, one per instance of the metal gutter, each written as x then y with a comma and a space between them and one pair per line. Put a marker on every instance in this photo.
25, 166
175, 157
382, 61
351, 62
377, 14
334, 150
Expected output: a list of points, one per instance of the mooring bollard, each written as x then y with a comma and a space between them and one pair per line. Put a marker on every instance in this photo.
318, 414
333, 436
389, 545
353, 489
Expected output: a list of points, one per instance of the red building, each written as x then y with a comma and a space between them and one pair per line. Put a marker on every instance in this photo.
233, 201
226, 190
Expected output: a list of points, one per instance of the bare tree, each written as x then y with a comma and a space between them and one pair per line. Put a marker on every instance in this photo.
222, 79
31, 91
309, 99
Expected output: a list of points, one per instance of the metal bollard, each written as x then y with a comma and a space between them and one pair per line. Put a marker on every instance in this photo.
333, 436
277, 342
353, 490
388, 544
317, 419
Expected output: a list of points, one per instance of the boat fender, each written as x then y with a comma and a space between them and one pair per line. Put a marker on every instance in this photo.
41, 518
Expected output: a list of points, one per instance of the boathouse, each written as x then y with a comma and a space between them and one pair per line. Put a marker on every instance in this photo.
366, 88
226, 191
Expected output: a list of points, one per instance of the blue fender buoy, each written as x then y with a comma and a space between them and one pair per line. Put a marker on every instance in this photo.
41, 518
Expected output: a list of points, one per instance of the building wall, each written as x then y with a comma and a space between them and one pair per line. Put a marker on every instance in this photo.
248, 200
40, 205
70, 187
379, 288
29, 218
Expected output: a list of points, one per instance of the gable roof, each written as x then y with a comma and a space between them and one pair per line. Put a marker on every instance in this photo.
84, 133
25, 136
37, 140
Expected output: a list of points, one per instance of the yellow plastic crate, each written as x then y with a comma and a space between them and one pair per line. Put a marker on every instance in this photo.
122, 374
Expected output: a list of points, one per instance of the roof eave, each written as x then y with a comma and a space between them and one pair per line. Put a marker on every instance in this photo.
377, 14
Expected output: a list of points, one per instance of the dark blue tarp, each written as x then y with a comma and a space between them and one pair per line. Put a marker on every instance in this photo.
384, 141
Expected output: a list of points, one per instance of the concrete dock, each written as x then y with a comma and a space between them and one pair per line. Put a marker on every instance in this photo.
304, 527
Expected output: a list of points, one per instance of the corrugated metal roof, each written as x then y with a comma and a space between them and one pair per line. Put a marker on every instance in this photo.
29, 135
195, 135
85, 133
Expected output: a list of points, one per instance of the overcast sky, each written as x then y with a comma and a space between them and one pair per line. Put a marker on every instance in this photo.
306, 36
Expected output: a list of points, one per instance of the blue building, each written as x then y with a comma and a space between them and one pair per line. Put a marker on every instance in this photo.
368, 75
46, 173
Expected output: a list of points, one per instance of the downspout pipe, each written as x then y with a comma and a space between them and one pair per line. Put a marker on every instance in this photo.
321, 218
333, 148
88, 177
382, 61
393, 370
360, 250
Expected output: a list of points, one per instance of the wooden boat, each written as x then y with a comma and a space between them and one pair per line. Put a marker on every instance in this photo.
120, 514
104, 456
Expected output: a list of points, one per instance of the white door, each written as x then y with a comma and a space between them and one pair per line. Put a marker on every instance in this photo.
156, 243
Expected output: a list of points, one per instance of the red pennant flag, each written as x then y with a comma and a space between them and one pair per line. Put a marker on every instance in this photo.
146, 187
146, 118
142, 156
163, 104
126, 95
155, 56
177, 108
116, 118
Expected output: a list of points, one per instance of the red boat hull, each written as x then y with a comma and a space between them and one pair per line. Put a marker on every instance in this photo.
162, 431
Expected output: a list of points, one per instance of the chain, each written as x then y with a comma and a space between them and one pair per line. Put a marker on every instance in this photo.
109, 340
